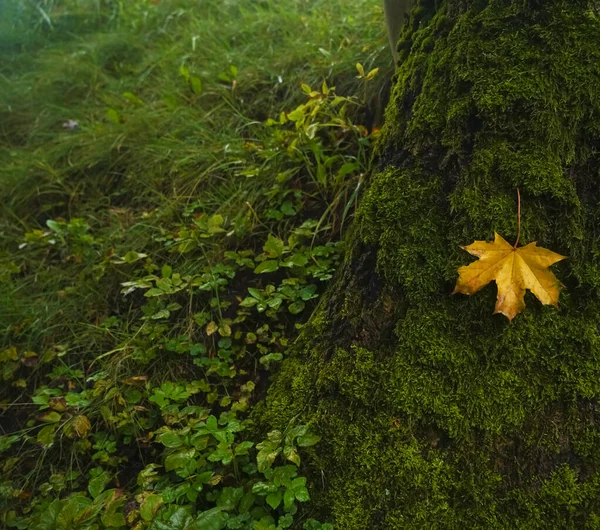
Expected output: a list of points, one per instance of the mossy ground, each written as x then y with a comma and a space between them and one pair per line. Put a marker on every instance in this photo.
434, 413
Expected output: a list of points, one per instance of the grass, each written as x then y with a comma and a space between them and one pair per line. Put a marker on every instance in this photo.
174, 183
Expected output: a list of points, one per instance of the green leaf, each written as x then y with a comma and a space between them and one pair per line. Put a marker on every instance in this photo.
97, 484
283, 475
196, 84
10, 354
221, 454
287, 208
159, 525
302, 494
235, 425
113, 116
165, 284
264, 524
246, 503
133, 256
133, 396
296, 260
270, 357
267, 266
254, 292
49, 515
296, 307
166, 271
130, 96
76, 510
113, 520
266, 457
170, 439
50, 417
274, 438
275, 302
346, 169
288, 498
274, 246
262, 488
285, 521
307, 440
372, 74
298, 482
298, 430
212, 424
7, 441
290, 453
274, 499
230, 497
308, 292
179, 459
243, 448
213, 519
46, 435
54, 226
205, 477
197, 349
225, 330
248, 302
215, 224
180, 520
201, 318
211, 328
184, 71
297, 114
163, 313
150, 506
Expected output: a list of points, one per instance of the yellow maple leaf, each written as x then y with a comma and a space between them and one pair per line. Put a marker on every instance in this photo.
514, 270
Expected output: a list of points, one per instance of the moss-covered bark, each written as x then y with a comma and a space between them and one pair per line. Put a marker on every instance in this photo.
434, 413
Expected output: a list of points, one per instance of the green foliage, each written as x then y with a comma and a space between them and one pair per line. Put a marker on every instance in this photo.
163, 242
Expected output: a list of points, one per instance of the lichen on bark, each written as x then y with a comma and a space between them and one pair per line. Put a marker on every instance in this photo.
433, 412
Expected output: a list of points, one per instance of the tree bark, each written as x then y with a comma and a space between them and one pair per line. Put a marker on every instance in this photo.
435, 413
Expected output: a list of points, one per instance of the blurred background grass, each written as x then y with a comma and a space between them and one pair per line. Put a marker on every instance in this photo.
146, 140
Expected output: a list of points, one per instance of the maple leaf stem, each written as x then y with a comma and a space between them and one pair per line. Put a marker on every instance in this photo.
518, 218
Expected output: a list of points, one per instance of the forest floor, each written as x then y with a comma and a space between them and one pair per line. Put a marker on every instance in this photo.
176, 177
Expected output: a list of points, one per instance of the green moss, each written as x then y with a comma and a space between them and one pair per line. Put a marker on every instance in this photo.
434, 413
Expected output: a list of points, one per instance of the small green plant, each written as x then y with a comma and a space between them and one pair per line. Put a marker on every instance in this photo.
71, 240
365, 78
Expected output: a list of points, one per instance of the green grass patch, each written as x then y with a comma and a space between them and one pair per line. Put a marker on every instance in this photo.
175, 179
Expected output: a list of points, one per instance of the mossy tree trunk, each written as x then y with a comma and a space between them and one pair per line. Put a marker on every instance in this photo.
435, 413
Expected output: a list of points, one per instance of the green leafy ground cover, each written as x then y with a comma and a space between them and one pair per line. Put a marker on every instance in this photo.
160, 252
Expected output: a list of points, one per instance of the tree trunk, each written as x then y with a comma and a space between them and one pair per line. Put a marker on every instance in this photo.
435, 413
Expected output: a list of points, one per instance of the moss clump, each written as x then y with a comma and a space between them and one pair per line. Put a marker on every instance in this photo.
434, 413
